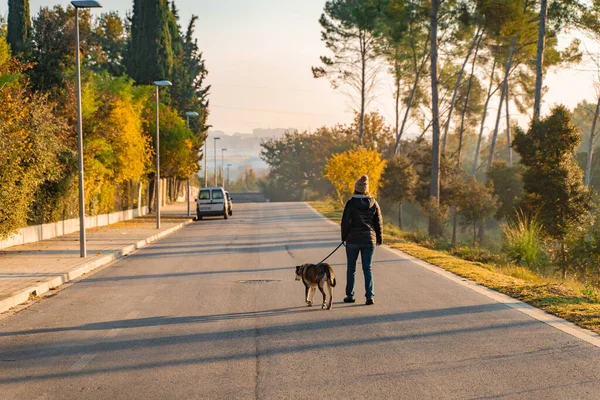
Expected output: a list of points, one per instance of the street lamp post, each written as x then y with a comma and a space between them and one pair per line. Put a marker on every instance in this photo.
222, 169
189, 114
228, 165
217, 138
205, 155
158, 85
82, 241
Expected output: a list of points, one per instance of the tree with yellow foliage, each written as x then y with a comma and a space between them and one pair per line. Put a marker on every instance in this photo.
29, 148
343, 169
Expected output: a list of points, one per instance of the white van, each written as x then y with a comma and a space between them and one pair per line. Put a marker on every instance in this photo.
211, 202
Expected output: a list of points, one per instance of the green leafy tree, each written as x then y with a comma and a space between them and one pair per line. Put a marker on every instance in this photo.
53, 51
377, 134
420, 158
189, 91
399, 180
297, 161
508, 188
110, 37
476, 203
19, 26
150, 51
553, 181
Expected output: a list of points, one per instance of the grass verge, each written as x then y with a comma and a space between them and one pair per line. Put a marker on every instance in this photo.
569, 299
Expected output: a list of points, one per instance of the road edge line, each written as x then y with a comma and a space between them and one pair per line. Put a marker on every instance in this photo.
22, 296
540, 315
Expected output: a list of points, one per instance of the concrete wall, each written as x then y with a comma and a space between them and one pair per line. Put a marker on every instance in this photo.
36, 233
249, 197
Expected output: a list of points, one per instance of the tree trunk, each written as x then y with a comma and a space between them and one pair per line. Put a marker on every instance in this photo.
508, 135
457, 85
418, 69
563, 256
539, 63
152, 194
460, 139
469, 87
140, 190
502, 94
483, 118
434, 191
397, 99
590, 152
363, 51
400, 216
454, 221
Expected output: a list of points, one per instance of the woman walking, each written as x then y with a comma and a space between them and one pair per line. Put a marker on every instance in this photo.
361, 230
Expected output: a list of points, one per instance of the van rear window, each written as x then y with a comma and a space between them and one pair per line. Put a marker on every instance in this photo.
217, 194
205, 195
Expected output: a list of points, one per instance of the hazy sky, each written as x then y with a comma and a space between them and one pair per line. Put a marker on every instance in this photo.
259, 54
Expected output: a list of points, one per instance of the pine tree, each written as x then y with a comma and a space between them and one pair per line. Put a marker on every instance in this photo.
19, 26
349, 32
150, 51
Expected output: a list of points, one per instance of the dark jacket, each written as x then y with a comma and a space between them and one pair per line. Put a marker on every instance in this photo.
362, 221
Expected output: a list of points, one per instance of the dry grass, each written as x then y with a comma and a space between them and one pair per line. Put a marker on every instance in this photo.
566, 299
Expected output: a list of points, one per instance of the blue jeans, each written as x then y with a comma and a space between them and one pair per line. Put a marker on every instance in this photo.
366, 252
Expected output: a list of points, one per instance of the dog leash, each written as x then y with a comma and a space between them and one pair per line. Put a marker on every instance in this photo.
330, 254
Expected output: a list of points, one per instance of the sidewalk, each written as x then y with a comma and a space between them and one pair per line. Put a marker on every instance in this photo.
35, 268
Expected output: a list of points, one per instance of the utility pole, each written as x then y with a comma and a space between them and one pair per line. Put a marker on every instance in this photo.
217, 138
228, 166
222, 169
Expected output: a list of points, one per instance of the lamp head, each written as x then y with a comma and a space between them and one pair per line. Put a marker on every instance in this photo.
191, 114
86, 4
162, 83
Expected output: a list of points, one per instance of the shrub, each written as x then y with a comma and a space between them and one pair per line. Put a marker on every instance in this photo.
343, 169
523, 242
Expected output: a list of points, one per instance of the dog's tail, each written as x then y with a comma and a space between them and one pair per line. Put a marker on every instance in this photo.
331, 277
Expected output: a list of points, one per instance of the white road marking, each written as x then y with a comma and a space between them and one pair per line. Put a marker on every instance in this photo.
535, 313
112, 333
82, 362
115, 331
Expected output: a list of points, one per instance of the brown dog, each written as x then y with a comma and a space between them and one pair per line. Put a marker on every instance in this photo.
313, 276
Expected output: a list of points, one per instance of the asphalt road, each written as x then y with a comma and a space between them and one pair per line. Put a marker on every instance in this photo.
177, 321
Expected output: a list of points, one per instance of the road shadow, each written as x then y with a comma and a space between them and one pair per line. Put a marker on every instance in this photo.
72, 349
300, 326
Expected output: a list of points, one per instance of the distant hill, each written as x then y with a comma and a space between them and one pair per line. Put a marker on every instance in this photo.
243, 149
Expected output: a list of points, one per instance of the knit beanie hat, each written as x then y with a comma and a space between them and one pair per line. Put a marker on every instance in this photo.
362, 184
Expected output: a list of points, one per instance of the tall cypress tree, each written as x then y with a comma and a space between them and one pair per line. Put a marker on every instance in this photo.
19, 26
150, 52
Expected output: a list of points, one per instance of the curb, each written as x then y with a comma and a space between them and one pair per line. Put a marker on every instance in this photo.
552, 320
24, 295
